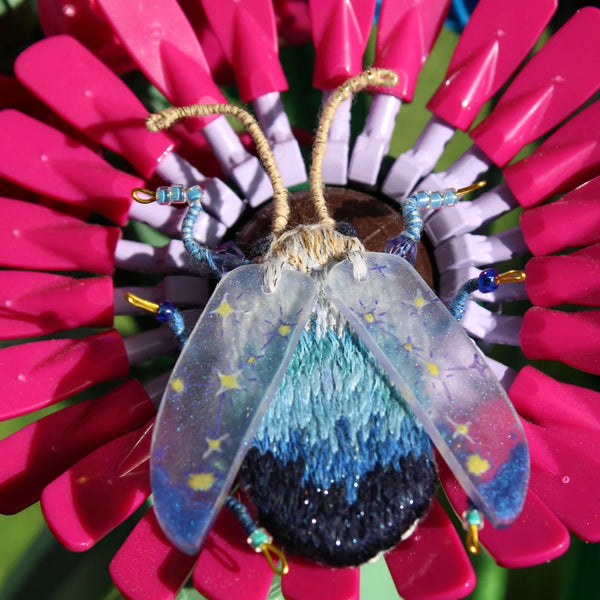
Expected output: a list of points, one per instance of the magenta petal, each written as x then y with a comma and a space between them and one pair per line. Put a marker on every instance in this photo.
227, 567
310, 581
432, 563
564, 473
574, 220
97, 494
563, 408
570, 279
37, 374
147, 566
535, 537
40, 452
36, 237
42, 303
571, 338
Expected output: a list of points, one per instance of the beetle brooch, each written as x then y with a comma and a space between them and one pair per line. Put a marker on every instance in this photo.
323, 376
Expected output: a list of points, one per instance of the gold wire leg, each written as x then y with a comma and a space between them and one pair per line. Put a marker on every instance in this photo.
141, 303
471, 188
472, 539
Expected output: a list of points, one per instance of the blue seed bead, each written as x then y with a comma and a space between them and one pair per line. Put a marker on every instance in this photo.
486, 282
450, 197
436, 200
194, 194
165, 312
177, 194
162, 194
422, 199
474, 517
259, 537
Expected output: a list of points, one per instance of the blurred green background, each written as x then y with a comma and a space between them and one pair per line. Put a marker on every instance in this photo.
32, 563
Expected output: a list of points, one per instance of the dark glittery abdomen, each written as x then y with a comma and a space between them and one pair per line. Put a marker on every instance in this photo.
340, 469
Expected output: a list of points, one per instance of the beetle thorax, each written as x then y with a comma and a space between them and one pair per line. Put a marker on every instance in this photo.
310, 247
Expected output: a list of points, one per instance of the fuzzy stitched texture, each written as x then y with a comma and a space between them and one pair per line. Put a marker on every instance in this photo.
340, 468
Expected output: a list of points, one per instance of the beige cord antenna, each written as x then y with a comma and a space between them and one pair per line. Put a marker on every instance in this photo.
371, 77
169, 116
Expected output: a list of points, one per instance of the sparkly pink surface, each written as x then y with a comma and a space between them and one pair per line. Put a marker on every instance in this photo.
432, 564
41, 451
97, 99
38, 374
551, 86
255, 61
36, 237
406, 31
489, 50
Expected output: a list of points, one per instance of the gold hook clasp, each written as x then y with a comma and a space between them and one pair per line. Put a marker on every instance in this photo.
261, 541
143, 196
513, 276
471, 188
138, 302
279, 567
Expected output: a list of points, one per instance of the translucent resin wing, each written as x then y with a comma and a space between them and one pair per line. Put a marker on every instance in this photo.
218, 393
444, 377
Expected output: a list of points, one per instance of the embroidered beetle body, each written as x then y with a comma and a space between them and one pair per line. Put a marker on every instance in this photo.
324, 373
339, 469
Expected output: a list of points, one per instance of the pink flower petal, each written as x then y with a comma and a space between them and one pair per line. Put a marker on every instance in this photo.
227, 567
570, 279
38, 374
147, 566
36, 303
97, 494
432, 563
564, 475
37, 237
571, 338
574, 220
310, 581
49, 162
565, 409
38, 453
535, 537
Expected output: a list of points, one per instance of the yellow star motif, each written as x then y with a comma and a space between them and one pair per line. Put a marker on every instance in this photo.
408, 346
177, 384
477, 465
214, 445
420, 302
284, 330
201, 482
229, 381
251, 359
368, 317
433, 368
224, 309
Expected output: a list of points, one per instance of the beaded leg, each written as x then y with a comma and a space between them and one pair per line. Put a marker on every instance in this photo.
195, 250
258, 538
164, 312
406, 244
488, 281
167, 313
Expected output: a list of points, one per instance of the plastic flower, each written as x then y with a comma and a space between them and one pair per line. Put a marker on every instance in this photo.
89, 462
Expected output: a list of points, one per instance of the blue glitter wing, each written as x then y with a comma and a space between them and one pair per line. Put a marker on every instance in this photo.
442, 375
217, 395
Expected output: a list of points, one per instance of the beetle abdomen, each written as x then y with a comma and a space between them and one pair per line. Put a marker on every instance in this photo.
340, 469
